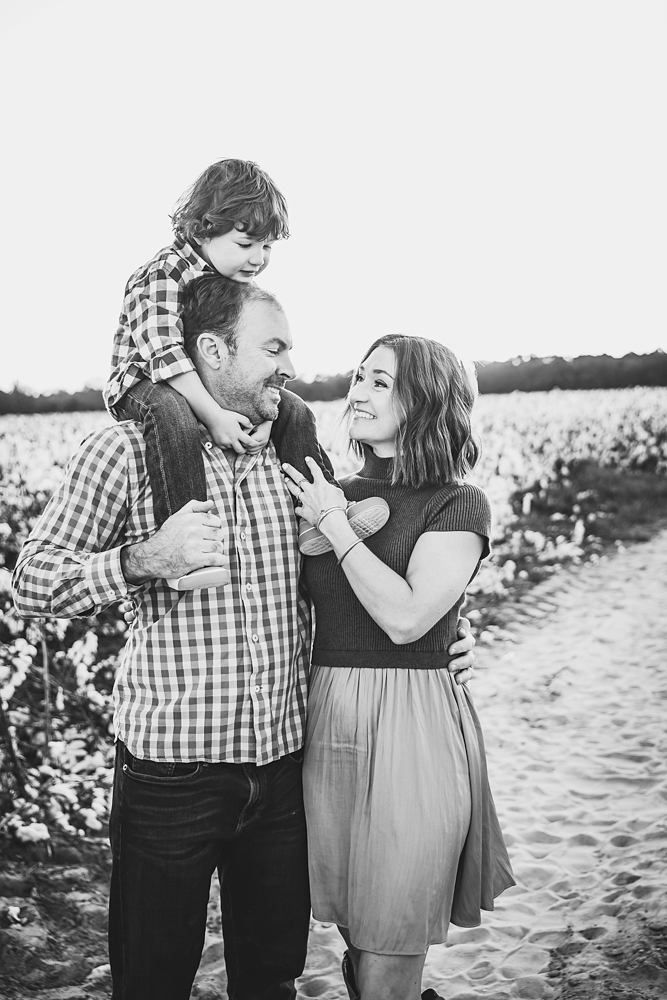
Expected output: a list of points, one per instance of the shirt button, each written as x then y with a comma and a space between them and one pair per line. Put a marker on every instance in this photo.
248, 586
255, 638
258, 687
243, 536
208, 445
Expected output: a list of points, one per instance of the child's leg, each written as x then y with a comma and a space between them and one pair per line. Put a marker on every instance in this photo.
173, 445
294, 433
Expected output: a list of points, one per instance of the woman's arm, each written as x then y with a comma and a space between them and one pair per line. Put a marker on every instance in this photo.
440, 567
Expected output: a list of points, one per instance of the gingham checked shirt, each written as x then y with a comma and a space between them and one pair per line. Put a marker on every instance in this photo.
149, 339
217, 674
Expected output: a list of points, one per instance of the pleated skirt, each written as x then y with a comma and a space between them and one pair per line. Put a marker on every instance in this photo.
403, 836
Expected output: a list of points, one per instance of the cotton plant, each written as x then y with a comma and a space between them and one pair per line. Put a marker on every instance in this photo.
56, 765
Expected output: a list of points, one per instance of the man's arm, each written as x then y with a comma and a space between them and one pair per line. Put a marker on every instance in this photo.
77, 559
188, 540
71, 564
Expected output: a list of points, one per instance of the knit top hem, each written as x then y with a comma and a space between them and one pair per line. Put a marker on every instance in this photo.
421, 659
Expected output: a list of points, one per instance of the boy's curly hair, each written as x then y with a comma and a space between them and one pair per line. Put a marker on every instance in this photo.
231, 194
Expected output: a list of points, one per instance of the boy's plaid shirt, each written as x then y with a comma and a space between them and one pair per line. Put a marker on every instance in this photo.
149, 339
214, 675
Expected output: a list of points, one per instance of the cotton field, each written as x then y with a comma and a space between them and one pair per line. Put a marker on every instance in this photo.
55, 766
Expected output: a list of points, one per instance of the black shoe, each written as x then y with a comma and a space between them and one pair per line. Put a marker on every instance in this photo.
348, 976
430, 994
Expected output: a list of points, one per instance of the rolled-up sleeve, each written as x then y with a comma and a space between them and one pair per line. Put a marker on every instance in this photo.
70, 565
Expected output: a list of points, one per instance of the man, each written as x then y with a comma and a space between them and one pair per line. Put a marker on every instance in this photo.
211, 692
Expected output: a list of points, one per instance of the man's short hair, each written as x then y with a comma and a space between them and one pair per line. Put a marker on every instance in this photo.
212, 303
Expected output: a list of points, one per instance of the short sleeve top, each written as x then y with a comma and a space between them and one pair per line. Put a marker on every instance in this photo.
345, 634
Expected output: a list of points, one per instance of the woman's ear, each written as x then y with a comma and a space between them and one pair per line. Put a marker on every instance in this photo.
213, 351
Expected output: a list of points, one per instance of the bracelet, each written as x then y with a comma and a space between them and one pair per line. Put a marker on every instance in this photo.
323, 514
357, 541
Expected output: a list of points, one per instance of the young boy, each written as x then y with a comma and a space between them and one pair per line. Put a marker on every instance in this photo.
226, 222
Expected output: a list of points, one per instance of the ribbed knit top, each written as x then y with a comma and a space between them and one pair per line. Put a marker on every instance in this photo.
345, 634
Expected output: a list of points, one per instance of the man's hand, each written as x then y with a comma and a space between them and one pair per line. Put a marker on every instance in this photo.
230, 430
462, 649
188, 540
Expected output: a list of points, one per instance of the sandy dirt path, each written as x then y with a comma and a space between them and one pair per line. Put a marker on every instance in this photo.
575, 716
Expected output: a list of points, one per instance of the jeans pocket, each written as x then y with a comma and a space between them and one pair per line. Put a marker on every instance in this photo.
296, 757
157, 772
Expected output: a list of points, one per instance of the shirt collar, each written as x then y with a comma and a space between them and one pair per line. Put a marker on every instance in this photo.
189, 254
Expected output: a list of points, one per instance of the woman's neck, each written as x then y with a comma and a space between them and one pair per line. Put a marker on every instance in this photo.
376, 466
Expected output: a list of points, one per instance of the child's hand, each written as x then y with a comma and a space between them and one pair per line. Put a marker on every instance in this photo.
260, 437
230, 430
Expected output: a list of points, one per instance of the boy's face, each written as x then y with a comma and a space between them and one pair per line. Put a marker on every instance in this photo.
237, 255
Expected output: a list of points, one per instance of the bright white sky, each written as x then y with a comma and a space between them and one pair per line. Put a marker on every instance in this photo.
490, 174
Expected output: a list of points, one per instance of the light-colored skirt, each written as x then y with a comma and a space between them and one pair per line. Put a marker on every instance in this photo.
402, 832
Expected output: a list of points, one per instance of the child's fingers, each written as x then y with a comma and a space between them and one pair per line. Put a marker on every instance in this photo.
244, 421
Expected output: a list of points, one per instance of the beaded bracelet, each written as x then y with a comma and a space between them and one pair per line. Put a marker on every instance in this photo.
358, 541
323, 514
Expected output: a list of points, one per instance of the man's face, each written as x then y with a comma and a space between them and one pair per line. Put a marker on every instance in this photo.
250, 378
237, 255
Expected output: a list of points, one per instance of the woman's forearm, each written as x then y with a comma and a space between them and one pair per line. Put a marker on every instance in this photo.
388, 598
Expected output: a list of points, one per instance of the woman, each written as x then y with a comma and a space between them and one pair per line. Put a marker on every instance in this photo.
403, 835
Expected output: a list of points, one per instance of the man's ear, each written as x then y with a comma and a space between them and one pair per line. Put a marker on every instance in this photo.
213, 351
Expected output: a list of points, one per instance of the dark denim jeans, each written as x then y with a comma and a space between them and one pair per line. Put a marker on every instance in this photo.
172, 825
294, 433
173, 446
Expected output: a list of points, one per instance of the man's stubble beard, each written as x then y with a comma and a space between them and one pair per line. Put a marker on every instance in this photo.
250, 400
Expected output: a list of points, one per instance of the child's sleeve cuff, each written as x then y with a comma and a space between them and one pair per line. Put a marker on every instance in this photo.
173, 362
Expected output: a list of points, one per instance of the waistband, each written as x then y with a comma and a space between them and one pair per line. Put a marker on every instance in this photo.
373, 659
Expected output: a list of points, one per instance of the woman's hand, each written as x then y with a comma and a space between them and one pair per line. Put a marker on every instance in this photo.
462, 667
313, 497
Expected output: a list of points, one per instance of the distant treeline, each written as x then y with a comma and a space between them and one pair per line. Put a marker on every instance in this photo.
602, 372
526, 374
19, 401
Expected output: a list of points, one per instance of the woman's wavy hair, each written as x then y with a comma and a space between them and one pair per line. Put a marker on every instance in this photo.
231, 194
433, 397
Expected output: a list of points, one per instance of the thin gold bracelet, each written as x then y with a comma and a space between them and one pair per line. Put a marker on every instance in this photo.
357, 541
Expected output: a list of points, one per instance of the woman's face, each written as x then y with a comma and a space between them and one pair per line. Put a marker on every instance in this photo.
373, 418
